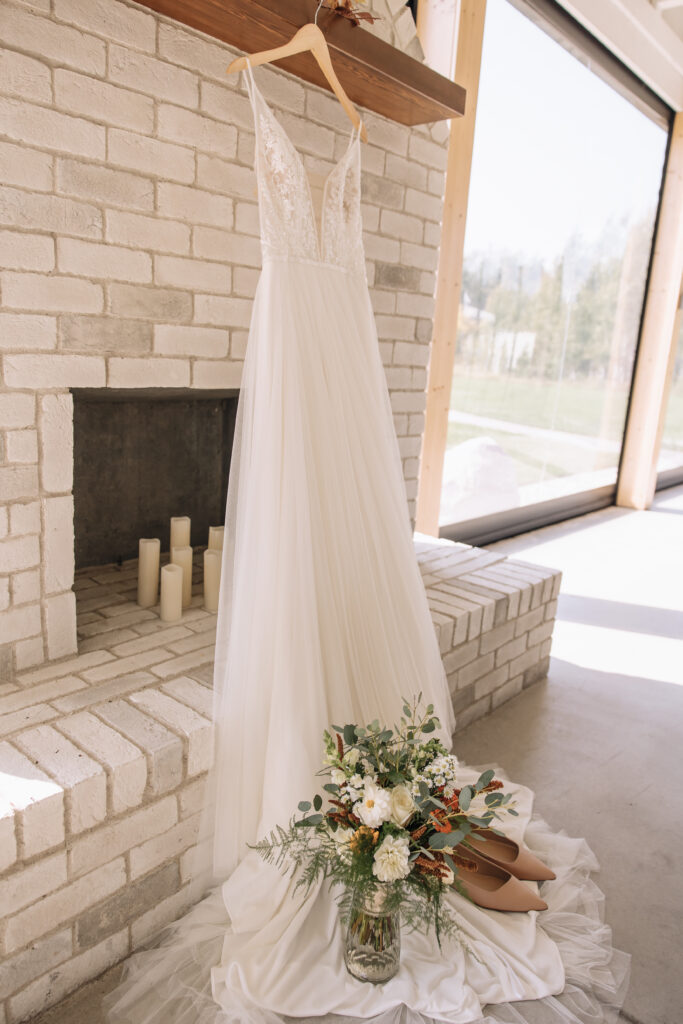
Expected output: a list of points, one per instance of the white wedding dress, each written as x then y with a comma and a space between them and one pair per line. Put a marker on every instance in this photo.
323, 618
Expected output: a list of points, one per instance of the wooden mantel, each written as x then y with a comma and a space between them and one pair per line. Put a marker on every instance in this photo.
374, 74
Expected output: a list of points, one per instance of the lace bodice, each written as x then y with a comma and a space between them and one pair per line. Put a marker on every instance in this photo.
288, 227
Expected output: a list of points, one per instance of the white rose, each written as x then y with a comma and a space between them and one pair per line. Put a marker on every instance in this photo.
374, 807
352, 757
391, 859
402, 805
338, 776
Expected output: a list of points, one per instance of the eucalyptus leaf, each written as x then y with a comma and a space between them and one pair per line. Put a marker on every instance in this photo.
349, 735
310, 822
429, 726
465, 797
317, 801
484, 779
305, 805
331, 787
443, 840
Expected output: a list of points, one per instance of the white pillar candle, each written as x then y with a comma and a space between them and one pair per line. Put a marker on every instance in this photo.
180, 531
212, 578
148, 572
182, 556
171, 593
216, 537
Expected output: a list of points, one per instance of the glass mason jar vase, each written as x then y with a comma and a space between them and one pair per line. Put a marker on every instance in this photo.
373, 940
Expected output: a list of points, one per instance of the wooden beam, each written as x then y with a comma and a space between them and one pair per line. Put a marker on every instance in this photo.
374, 74
449, 275
640, 37
647, 408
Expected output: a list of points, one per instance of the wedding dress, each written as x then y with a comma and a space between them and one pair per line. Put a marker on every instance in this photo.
323, 618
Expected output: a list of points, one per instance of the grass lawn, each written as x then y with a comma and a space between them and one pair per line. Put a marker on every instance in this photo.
536, 459
582, 407
576, 407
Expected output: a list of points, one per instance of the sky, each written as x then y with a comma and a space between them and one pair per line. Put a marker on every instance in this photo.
557, 152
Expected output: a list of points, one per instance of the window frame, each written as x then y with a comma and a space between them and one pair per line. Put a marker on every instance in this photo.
556, 22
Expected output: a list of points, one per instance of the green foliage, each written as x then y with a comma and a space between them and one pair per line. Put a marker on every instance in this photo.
333, 845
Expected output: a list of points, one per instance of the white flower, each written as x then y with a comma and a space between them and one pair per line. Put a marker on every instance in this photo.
391, 859
338, 776
352, 757
356, 781
375, 806
402, 805
343, 836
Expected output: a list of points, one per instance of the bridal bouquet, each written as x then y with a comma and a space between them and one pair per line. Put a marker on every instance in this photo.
393, 824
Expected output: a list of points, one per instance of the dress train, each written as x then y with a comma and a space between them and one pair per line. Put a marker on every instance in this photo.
176, 983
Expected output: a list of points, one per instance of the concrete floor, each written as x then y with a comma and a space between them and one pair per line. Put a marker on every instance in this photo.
600, 742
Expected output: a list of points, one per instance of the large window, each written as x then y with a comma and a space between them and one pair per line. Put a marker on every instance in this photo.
565, 184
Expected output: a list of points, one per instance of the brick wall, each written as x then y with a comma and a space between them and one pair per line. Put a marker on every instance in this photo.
129, 254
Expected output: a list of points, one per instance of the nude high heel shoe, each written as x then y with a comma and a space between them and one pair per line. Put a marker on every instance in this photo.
490, 886
514, 857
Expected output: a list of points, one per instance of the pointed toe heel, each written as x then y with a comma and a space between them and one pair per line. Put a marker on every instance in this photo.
514, 857
491, 886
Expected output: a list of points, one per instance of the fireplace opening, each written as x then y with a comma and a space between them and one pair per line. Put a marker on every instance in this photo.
142, 456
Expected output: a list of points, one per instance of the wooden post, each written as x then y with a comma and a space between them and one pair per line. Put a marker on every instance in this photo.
449, 275
638, 472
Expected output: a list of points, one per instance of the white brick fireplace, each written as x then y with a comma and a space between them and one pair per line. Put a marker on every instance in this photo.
129, 255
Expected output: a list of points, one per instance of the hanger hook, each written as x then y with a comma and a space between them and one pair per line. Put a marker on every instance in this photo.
315, 19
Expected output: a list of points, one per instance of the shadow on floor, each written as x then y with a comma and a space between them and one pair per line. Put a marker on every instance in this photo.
633, 618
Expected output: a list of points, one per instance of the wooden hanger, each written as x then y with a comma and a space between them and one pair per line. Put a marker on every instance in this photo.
309, 37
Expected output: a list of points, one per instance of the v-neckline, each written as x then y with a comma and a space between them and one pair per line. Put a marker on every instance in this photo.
319, 235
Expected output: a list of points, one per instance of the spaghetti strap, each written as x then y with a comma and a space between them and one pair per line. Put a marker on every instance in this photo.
251, 84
